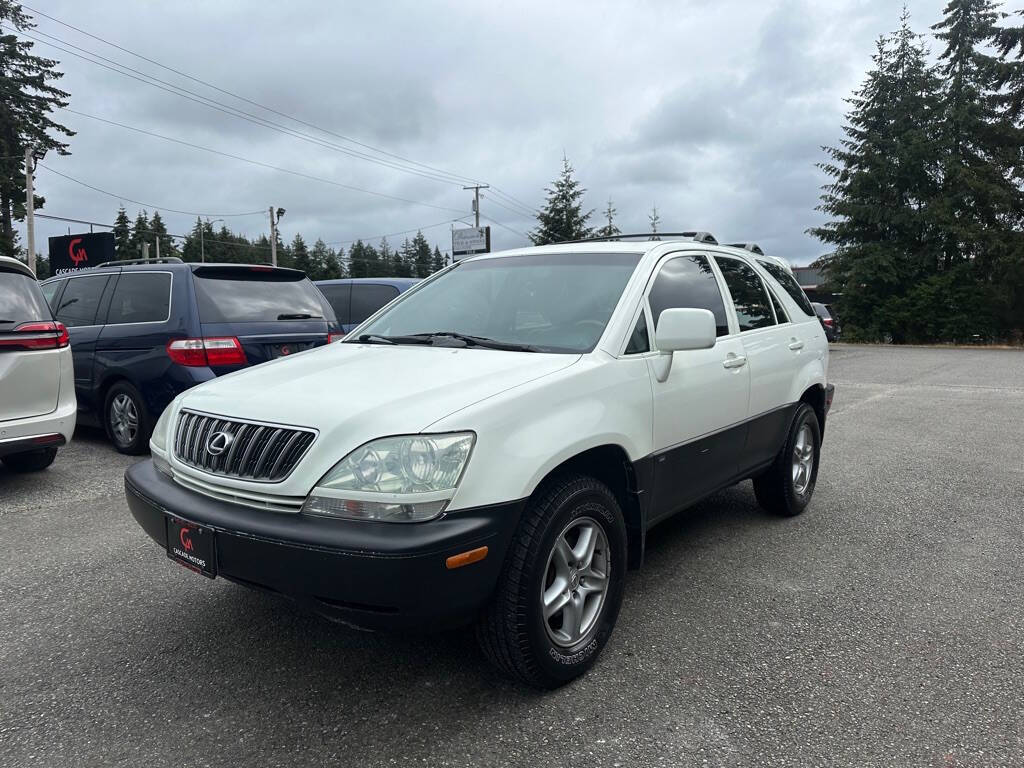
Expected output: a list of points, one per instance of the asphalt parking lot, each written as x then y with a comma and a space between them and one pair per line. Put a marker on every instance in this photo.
884, 627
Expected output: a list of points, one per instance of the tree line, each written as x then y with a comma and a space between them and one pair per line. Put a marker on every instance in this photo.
925, 194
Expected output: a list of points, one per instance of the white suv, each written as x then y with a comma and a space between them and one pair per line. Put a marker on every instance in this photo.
37, 383
495, 443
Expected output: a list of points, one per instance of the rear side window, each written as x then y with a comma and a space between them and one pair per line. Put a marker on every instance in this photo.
367, 299
790, 285
338, 296
21, 301
80, 300
780, 313
687, 282
257, 295
140, 297
750, 297
51, 292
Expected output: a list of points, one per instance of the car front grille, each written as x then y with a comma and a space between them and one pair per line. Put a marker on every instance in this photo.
253, 451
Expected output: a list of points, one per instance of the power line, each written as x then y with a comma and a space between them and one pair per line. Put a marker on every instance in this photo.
503, 226
459, 177
261, 164
149, 205
393, 234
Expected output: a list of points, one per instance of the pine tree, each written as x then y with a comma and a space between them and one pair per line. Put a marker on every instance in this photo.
437, 261
406, 260
562, 217
122, 235
421, 255
158, 232
334, 264
140, 234
322, 260
300, 258
357, 266
655, 220
28, 99
609, 229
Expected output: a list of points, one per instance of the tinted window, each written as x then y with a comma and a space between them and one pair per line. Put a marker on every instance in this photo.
753, 308
557, 302
780, 313
20, 300
257, 295
687, 282
791, 286
80, 300
338, 296
367, 299
51, 291
140, 297
639, 340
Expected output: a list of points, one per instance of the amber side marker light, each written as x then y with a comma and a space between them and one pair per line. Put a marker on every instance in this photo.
465, 558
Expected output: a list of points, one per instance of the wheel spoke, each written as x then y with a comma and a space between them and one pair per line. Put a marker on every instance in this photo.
563, 555
572, 617
583, 552
555, 597
593, 583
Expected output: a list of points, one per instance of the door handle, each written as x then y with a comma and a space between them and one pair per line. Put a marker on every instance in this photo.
734, 362
796, 345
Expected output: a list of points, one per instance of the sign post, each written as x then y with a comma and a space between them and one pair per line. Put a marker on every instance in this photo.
470, 241
70, 253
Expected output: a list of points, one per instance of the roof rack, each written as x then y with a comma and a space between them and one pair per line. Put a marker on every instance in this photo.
131, 262
700, 237
752, 247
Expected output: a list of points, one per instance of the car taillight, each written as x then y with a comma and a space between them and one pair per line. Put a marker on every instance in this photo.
37, 335
333, 337
827, 321
220, 350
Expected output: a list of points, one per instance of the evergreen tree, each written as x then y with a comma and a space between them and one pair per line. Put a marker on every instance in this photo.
28, 99
562, 217
406, 260
324, 264
357, 266
158, 232
122, 234
373, 265
421, 256
140, 234
334, 264
609, 229
437, 261
300, 257
655, 220
388, 257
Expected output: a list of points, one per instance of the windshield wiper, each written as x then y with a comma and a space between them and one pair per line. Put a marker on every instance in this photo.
299, 316
373, 338
479, 341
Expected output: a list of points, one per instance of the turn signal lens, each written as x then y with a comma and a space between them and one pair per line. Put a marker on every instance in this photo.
465, 558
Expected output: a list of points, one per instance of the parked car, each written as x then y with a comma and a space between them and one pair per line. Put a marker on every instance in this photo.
145, 331
355, 299
37, 396
828, 321
494, 445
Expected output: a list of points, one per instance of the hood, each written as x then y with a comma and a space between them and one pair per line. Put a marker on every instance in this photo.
353, 393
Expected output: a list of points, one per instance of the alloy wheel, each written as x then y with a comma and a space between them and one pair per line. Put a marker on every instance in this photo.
575, 582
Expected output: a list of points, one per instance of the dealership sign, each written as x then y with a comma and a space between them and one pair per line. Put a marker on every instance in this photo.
69, 253
466, 242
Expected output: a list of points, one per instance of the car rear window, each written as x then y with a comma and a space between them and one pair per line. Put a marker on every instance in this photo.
256, 295
20, 301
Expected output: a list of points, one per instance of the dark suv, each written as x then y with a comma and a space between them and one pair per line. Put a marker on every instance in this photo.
143, 332
829, 321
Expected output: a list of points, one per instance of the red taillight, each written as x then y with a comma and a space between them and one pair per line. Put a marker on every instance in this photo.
37, 335
220, 350
333, 337
827, 321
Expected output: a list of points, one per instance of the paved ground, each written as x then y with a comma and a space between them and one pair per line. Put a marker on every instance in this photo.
885, 627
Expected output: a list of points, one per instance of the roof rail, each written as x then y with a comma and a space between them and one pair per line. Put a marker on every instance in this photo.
128, 262
752, 247
700, 237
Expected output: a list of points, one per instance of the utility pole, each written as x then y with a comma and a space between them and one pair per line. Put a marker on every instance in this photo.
30, 209
157, 246
476, 200
145, 251
273, 238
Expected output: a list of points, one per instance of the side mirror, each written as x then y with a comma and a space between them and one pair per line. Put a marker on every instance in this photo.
682, 329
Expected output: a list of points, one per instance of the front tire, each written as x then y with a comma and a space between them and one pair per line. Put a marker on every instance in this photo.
561, 587
126, 419
30, 461
786, 488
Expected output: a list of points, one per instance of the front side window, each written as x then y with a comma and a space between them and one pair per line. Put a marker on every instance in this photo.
749, 296
80, 300
790, 285
140, 297
550, 302
687, 282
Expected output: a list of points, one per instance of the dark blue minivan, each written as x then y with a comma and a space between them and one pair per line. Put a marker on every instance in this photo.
144, 331
356, 298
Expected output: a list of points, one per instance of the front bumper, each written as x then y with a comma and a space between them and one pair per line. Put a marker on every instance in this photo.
373, 575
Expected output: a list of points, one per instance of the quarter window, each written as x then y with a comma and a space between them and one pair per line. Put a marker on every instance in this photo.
80, 300
51, 291
753, 307
687, 282
140, 297
639, 341
780, 313
790, 285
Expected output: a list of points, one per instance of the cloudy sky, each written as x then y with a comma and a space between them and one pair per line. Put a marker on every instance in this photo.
713, 110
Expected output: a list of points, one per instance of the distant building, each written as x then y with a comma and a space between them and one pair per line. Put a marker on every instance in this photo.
812, 280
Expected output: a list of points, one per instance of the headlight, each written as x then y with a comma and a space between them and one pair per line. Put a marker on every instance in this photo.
158, 442
410, 478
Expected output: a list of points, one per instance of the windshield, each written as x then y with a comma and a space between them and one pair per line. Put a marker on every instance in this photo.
551, 302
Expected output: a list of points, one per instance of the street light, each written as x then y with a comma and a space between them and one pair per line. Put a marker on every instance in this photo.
202, 249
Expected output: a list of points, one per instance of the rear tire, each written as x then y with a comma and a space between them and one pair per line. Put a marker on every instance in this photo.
786, 488
558, 595
126, 419
30, 461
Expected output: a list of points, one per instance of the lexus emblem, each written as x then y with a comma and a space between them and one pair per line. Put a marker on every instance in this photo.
219, 442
